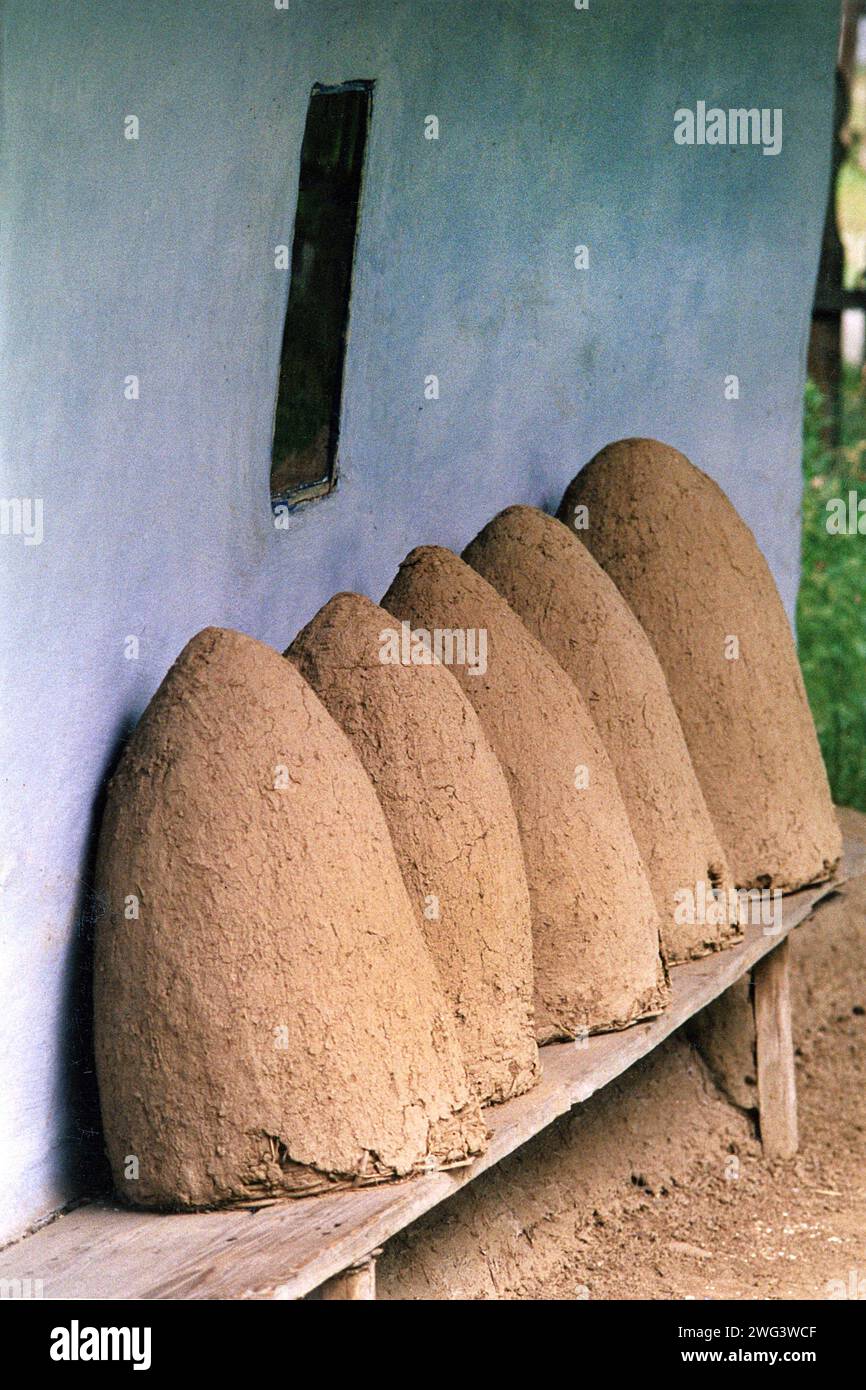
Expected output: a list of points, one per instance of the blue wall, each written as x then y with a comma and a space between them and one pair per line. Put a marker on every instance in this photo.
155, 258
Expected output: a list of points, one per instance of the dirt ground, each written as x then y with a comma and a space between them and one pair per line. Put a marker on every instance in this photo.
656, 1187
756, 1231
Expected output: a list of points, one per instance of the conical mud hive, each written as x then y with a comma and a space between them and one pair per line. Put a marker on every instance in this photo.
594, 923
576, 612
268, 1018
452, 824
691, 571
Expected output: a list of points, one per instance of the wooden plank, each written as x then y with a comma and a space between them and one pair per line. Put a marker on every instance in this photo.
104, 1251
777, 1083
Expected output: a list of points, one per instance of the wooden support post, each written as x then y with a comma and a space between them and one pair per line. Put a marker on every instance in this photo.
356, 1283
777, 1086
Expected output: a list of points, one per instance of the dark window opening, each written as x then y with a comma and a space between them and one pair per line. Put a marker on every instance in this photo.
307, 419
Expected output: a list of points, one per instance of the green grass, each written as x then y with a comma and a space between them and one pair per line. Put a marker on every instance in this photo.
831, 606
851, 198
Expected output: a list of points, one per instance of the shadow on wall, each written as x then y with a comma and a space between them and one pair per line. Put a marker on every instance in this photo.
82, 1164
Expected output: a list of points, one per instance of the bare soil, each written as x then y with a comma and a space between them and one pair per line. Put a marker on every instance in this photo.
656, 1188
785, 1230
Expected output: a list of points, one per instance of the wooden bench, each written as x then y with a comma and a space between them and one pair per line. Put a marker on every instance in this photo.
284, 1251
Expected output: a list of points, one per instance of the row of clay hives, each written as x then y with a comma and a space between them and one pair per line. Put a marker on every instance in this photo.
349, 892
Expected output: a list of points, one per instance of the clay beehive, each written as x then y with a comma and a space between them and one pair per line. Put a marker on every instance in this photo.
579, 615
268, 1018
594, 923
452, 824
691, 571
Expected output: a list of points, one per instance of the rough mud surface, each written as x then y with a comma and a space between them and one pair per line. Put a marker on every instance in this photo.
272, 1022
576, 611
594, 923
448, 808
787, 1230
656, 1188
690, 569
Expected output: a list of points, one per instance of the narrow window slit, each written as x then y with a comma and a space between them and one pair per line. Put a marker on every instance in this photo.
307, 415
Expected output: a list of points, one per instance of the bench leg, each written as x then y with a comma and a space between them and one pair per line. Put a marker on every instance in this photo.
357, 1282
777, 1087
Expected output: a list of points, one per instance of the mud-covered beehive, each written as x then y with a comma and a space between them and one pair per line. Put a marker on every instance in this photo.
594, 923
268, 1018
691, 571
576, 612
452, 824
